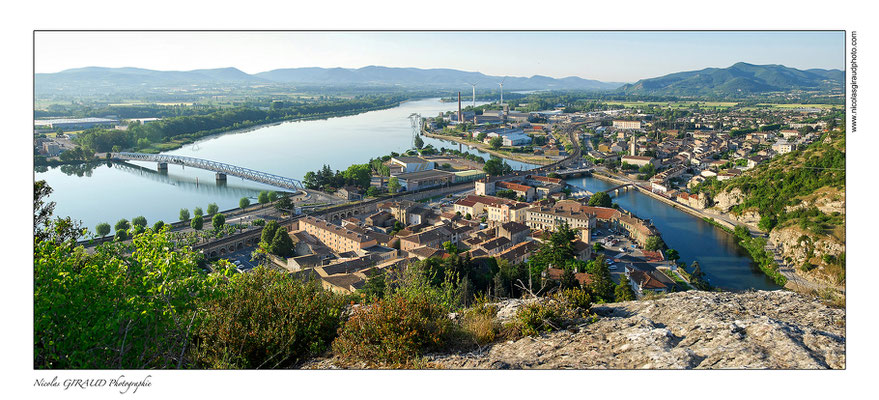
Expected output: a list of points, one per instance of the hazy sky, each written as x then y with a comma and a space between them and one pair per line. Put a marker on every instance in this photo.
606, 56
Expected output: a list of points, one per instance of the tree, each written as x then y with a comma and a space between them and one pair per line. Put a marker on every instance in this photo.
42, 210
450, 247
596, 247
672, 255
623, 291
213, 208
393, 185
263, 197
481, 136
373, 191
197, 222
273, 196
122, 225
767, 222
284, 203
600, 199
358, 175
218, 221
653, 243
496, 167
114, 309
419, 143
568, 280
244, 202
281, 244
198, 212
103, 229
158, 225
697, 277
139, 221
601, 286
184, 214
496, 142
268, 232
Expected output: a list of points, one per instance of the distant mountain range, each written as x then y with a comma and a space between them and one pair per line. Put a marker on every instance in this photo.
741, 79
366, 76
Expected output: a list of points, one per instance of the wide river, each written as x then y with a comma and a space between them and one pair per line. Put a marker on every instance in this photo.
108, 193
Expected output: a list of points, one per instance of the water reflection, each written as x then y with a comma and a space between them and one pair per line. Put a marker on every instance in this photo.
726, 264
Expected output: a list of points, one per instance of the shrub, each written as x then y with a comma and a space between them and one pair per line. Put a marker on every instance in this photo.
393, 330
266, 319
537, 317
577, 298
478, 322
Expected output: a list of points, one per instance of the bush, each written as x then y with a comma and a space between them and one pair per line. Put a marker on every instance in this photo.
265, 319
478, 322
537, 317
577, 298
393, 330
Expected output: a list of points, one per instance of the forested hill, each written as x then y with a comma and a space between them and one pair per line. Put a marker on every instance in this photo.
799, 198
739, 80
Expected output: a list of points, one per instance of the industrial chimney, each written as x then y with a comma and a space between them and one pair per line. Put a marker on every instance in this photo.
460, 115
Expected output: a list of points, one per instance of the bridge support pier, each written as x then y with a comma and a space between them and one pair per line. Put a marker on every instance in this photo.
221, 177
162, 167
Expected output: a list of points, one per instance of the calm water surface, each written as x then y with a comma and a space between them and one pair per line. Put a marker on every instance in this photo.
726, 264
109, 193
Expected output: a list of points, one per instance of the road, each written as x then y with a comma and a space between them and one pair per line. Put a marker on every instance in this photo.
794, 280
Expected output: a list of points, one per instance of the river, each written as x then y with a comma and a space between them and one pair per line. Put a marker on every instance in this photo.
108, 193
726, 264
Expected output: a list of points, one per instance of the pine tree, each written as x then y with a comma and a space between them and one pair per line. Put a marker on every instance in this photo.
569, 281
623, 291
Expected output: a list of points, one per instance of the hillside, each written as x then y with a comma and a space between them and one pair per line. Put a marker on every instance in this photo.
699, 330
799, 198
739, 80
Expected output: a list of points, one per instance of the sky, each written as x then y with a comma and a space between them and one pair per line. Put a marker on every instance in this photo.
605, 56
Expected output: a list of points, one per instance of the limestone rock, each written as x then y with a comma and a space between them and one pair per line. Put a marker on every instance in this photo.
763, 329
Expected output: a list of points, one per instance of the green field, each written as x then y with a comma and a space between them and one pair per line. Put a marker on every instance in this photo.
674, 104
797, 105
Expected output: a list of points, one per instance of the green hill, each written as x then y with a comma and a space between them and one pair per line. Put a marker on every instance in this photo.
739, 80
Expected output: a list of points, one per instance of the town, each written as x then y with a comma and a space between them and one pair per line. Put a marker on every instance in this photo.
442, 205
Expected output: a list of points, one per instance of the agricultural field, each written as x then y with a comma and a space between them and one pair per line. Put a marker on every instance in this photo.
675, 104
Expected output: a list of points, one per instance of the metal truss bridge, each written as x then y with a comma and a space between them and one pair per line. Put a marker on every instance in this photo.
218, 167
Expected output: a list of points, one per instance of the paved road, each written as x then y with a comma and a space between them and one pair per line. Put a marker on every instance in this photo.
795, 281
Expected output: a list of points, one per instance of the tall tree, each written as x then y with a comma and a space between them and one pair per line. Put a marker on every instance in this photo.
600, 199
184, 214
623, 291
419, 143
281, 244
244, 202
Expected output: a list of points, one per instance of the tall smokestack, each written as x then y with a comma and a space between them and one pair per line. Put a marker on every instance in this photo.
460, 115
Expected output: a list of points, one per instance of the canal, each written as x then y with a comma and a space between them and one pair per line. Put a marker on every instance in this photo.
727, 265
109, 192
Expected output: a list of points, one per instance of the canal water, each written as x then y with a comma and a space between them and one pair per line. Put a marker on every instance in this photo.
726, 264
108, 193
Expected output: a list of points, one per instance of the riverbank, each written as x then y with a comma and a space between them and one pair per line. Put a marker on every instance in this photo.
487, 149
751, 245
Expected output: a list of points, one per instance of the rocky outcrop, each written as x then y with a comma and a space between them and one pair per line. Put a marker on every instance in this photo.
801, 246
776, 330
749, 217
724, 201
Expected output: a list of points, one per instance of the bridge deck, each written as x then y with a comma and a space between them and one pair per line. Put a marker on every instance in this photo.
228, 169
